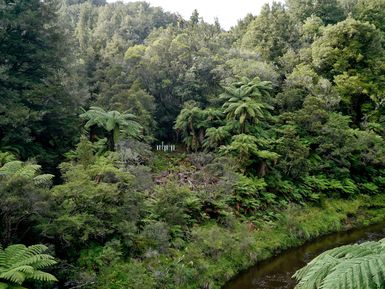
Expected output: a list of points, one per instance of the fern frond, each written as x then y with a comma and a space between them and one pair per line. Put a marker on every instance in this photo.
13, 275
43, 179
42, 276
28, 170
6, 157
19, 263
12, 252
11, 167
37, 261
358, 266
24, 269
362, 272
20, 252
20, 169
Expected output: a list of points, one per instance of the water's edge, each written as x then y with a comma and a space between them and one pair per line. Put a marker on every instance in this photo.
276, 272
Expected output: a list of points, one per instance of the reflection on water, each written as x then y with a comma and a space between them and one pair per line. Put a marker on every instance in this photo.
276, 272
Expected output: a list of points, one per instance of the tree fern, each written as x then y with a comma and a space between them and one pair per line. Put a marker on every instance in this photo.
6, 157
25, 170
114, 122
19, 263
243, 101
216, 136
358, 266
192, 122
11, 168
19, 168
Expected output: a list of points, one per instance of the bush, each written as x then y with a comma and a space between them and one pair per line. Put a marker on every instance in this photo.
129, 275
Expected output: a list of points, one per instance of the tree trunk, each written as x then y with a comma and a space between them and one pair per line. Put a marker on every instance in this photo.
262, 169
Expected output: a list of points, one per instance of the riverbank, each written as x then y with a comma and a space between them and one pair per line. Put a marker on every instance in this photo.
216, 254
277, 271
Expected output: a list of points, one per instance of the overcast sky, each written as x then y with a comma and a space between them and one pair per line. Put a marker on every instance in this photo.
227, 11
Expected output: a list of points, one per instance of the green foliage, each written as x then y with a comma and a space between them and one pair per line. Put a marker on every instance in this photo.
143, 45
38, 111
192, 123
129, 275
101, 36
15, 169
311, 29
175, 206
97, 256
6, 157
347, 52
348, 44
216, 137
250, 196
113, 122
94, 203
140, 103
243, 101
271, 33
245, 110
370, 11
19, 263
351, 266
24, 195
259, 180
302, 82
294, 153
329, 11
248, 149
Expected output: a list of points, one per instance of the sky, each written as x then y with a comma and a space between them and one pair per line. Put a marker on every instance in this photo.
227, 11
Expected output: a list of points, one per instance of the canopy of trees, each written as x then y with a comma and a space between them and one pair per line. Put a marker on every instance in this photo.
284, 109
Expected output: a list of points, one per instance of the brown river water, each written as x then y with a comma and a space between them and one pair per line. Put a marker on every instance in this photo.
276, 272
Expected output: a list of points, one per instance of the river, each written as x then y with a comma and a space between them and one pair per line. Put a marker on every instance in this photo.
276, 272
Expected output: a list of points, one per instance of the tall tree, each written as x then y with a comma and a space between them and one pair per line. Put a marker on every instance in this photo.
24, 199
271, 33
37, 114
192, 123
372, 11
350, 53
329, 11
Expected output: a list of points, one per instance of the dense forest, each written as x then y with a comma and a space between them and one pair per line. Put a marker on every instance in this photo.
278, 125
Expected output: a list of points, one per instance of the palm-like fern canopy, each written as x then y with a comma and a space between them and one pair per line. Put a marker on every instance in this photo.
192, 123
112, 121
19, 263
358, 266
254, 88
25, 170
6, 157
245, 109
243, 101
